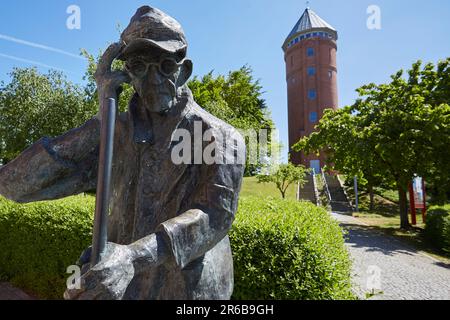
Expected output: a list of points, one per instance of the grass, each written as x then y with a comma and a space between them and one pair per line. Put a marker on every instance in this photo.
251, 187
391, 195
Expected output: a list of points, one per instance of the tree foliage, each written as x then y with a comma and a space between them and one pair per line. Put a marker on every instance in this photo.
236, 99
284, 176
35, 105
393, 132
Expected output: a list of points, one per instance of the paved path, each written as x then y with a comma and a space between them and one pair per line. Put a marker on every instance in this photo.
8, 292
401, 272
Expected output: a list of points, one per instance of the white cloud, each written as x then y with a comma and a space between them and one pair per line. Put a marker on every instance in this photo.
31, 62
40, 46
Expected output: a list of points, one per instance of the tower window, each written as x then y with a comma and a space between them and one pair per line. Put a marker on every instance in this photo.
311, 71
310, 52
313, 117
330, 74
312, 94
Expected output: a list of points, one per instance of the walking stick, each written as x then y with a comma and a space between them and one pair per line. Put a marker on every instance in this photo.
99, 236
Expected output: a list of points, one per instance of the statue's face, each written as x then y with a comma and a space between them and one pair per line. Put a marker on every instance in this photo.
156, 78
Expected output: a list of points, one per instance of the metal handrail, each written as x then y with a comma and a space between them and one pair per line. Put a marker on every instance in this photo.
316, 190
326, 186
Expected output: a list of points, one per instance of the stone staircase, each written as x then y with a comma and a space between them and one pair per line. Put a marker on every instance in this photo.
307, 192
339, 201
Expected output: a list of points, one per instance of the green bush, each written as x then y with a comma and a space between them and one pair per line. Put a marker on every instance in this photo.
288, 250
282, 249
39, 241
437, 228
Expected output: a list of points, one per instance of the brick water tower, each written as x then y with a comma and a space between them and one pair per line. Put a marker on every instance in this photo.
311, 75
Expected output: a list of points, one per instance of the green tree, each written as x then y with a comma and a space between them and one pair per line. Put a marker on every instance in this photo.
393, 131
236, 99
284, 176
34, 105
341, 138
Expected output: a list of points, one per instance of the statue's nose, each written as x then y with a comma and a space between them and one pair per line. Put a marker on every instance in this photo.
154, 76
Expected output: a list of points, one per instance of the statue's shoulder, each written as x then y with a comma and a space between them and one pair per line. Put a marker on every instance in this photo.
194, 112
210, 121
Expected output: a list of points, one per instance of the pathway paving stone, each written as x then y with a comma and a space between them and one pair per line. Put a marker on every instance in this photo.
404, 273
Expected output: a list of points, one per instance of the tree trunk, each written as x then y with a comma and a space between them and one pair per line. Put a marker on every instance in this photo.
403, 203
371, 195
283, 194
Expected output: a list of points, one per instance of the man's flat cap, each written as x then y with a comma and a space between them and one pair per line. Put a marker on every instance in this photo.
150, 28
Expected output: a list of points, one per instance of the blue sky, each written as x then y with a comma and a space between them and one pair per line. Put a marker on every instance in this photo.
225, 35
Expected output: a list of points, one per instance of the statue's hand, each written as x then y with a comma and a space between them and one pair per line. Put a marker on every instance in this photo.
109, 82
109, 279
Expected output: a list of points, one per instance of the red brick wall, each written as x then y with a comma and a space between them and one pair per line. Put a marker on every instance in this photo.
298, 84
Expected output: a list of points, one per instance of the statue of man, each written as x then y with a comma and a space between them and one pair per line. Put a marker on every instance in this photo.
168, 225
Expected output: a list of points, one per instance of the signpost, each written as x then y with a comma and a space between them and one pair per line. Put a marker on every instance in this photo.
417, 199
356, 194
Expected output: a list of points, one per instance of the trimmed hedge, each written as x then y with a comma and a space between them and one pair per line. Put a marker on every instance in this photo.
288, 250
38, 241
437, 228
282, 249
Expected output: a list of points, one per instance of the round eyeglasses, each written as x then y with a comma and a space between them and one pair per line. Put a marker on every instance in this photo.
166, 66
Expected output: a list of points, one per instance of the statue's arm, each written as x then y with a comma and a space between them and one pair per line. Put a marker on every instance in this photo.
193, 233
54, 168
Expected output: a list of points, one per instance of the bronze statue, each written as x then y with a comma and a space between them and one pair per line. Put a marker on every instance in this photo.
168, 223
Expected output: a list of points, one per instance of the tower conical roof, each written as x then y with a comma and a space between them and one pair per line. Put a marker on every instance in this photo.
310, 21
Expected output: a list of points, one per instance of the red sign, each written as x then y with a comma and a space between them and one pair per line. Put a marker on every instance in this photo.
418, 193
417, 199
